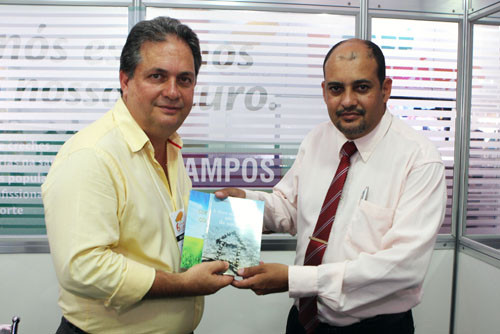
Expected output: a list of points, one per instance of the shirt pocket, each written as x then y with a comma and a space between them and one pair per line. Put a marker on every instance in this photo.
368, 226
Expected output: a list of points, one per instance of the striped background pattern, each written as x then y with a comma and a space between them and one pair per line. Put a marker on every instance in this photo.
258, 92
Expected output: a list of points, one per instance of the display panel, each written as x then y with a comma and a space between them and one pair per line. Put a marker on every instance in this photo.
258, 91
421, 59
483, 198
58, 72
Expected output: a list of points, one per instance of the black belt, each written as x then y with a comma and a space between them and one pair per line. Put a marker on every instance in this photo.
397, 323
67, 327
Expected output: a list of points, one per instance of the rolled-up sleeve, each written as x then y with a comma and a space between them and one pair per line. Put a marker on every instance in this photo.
81, 199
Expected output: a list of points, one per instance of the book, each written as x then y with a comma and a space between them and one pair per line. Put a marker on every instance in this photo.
196, 228
228, 230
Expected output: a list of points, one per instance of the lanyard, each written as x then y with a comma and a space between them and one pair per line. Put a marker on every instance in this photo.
177, 217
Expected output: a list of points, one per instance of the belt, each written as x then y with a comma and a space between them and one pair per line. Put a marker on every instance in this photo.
383, 324
73, 328
65, 324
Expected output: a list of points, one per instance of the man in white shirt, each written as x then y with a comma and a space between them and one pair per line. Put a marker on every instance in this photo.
384, 229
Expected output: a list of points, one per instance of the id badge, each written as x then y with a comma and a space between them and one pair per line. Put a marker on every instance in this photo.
178, 220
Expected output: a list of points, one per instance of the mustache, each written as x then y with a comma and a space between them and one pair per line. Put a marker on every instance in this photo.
339, 112
169, 104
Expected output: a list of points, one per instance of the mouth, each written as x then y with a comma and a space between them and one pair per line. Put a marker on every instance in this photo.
350, 116
169, 109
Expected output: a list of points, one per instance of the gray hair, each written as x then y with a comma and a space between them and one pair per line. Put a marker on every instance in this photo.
156, 30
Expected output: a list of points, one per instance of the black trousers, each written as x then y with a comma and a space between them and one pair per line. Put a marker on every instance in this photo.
398, 323
67, 327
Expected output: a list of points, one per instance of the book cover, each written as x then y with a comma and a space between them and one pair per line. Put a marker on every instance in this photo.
196, 228
228, 230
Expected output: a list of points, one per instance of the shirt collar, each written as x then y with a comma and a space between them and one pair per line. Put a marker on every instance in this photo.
134, 135
367, 144
176, 140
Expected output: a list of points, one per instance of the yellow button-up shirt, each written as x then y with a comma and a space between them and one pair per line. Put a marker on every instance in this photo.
107, 203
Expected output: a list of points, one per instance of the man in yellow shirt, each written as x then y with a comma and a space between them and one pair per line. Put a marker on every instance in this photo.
116, 196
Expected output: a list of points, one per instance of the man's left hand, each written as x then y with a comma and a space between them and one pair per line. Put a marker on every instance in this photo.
264, 278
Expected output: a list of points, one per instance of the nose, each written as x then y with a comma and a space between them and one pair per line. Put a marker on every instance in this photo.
349, 99
170, 89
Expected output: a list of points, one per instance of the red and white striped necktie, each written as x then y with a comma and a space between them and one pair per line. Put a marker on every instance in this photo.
308, 311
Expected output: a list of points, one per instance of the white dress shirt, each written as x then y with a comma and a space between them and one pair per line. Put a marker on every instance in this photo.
380, 247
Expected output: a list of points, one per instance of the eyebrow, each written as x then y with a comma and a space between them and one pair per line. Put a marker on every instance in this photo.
335, 83
162, 71
356, 82
362, 81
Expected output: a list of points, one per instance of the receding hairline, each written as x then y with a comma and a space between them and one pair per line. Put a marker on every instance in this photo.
350, 55
374, 52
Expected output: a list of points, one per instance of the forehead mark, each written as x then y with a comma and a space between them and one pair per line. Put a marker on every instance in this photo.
354, 55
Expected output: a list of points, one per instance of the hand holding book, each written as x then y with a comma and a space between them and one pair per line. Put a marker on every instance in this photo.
204, 278
201, 279
264, 279
233, 192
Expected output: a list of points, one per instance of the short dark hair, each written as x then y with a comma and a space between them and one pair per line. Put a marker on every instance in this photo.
377, 54
156, 30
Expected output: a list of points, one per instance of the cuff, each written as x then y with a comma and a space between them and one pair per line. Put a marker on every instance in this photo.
302, 281
251, 194
138, 279
331, 281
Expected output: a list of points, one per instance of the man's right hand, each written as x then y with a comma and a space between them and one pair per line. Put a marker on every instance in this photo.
233, 192
205, 278
199, 280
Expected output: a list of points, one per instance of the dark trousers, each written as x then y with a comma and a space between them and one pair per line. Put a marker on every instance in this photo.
398, 323
67, 327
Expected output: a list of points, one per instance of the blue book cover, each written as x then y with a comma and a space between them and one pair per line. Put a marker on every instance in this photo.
230, 230
196, 228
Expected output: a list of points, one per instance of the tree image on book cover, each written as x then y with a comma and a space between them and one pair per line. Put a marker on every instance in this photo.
231, 248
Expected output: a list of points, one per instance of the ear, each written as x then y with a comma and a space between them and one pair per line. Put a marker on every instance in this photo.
323, 85
386, 89
124, 80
